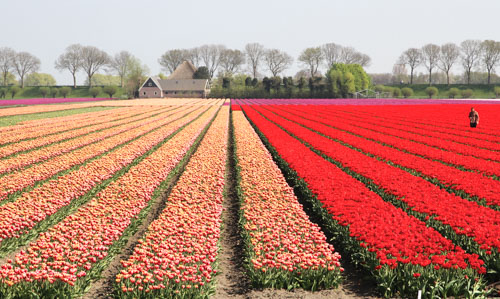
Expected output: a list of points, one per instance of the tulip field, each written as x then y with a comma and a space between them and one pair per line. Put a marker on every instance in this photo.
132, 198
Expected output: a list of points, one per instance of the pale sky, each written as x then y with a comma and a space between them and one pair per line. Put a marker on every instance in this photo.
383, 29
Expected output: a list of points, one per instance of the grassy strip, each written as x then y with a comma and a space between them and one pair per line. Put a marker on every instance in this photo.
15, 119
390, 282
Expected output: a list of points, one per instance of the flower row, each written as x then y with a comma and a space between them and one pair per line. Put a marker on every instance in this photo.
17, 181
69, 255
479, 223
473, 183
176, 256
285, 249
19, 216
402, 253
58, 144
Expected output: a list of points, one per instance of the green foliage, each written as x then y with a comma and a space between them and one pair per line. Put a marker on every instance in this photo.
104, 80
137, 74
110, 90
65, 91
226, 83
10, 80
255, 81
379, 88
453, 92
349, 85
39, 79
467, 93
248, 81
497, 91
95, 91
361, 79
44, 91
267, 84
202, 73
396, 92
14, 90
3, 92
407, 92
276, 83
431, 91
54, 91
162, 76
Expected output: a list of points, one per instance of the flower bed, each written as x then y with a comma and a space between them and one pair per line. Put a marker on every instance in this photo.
284, 248
63, 260
401, 252
177, 255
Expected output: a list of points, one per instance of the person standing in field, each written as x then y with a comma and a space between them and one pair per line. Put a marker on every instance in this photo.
474, 118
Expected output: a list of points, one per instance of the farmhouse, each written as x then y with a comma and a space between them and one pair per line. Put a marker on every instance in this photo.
180, 84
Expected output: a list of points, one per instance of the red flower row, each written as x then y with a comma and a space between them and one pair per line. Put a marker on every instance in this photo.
177, 254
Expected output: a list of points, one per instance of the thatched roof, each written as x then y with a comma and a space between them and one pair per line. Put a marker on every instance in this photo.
185, 70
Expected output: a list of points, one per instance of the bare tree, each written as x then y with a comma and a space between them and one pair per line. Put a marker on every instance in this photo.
120, 64
211, 56
93, 60
255, 53
70, 60
447, 58
231, 60
331, 53
362, 59
430, 54
25, 63
413, 58
277, 61
348, 55
311, 58
193, 55
172, 59
6, 62
471, 53
491, 56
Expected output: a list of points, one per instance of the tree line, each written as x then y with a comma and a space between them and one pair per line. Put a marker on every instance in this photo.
471, 54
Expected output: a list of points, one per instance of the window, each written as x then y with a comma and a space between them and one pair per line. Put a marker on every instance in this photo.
143, 93
150, 84
156, 93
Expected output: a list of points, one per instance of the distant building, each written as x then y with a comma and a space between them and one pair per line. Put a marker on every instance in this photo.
180, 84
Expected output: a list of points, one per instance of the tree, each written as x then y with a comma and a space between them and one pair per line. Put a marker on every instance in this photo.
226, 83
54, 91
430, 54
211, 56
448, 56
172, 59
248, 81
65, 91
93, 60
453, 92
407, 92
104, 80
331, 53
3, 92
136, 76
254, 53
497, 91
14, 90
40, 79
491, 56
120, 64
70, 60
95, 91
471, 53
193, 55
396, 92
25, 63
6, 62
413, 58
467, 93
110, 90
231, 60
431, 91
44, 91
349, 55
311, 58
267, 84
277, 61
201, 73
